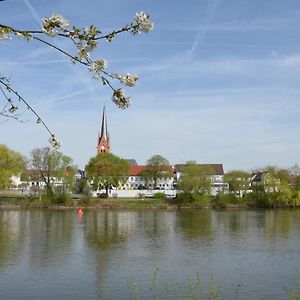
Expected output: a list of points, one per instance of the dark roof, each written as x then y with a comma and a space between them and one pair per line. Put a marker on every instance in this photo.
217, 169
35, 175
131, 162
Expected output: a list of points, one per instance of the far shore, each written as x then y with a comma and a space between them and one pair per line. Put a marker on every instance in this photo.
76, 201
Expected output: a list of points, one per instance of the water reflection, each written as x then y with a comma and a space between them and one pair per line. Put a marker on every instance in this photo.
278, 223
105, 232
49, 238
195, 224
90, 257
106, 229
11, 237
232, 223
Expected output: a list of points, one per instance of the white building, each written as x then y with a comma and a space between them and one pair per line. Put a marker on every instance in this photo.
216, 175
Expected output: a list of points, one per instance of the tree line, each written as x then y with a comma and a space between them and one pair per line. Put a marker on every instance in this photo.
268, 187
46, 165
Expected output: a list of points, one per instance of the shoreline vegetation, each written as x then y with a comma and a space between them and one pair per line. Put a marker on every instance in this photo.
183, 201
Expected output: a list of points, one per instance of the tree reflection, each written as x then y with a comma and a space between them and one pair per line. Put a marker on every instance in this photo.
11, 237
278, 222
105, 230
50, 236
232, 222
194, 224
156, 224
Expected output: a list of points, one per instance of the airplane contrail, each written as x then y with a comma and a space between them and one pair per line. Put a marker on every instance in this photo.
34, 13
212, 4
211, 7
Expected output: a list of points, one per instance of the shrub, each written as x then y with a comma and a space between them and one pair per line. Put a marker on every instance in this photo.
159, 195
294, 200
84, 201
196, 198
259, 199
225, 200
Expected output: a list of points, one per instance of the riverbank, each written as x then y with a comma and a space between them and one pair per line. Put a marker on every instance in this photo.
84, 202
72, 202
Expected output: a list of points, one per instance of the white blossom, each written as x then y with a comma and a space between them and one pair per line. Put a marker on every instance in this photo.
54, 142
98, 65
129, 80
4, 36
51, 25
4, 33
49, 31
120, 99
83, 49
142, 23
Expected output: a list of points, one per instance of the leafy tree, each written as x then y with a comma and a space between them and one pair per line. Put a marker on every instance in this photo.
107, 170
52, 165
157, 167
84, 41
11, 163
195, 181
275, 188
238, 181
294, 173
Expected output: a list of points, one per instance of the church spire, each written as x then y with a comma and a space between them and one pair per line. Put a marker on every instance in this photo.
104, 125
103, 138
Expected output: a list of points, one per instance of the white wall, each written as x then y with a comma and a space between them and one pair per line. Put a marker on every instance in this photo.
134, 193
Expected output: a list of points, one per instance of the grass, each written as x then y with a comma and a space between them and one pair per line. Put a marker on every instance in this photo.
192, 289
111, 203
128, 203
71, 201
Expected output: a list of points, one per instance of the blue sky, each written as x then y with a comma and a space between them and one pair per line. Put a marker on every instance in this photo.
219, 81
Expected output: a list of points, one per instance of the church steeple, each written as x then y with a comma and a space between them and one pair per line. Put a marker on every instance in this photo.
103, 137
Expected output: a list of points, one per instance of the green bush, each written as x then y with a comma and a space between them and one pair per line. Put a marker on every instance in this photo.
84, 201
183, 198
294, 201
159, 195
259, 199
225, 200
199, 199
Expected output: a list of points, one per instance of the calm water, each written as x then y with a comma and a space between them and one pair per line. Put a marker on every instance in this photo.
57, 255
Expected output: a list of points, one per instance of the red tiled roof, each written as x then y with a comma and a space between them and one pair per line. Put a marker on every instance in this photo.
135, 170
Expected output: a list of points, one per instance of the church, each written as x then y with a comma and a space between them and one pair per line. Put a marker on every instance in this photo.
135, 183
103, 145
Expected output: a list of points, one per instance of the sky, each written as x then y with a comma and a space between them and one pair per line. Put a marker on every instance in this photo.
218, 81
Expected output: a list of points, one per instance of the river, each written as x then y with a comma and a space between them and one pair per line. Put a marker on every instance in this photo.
148, 254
